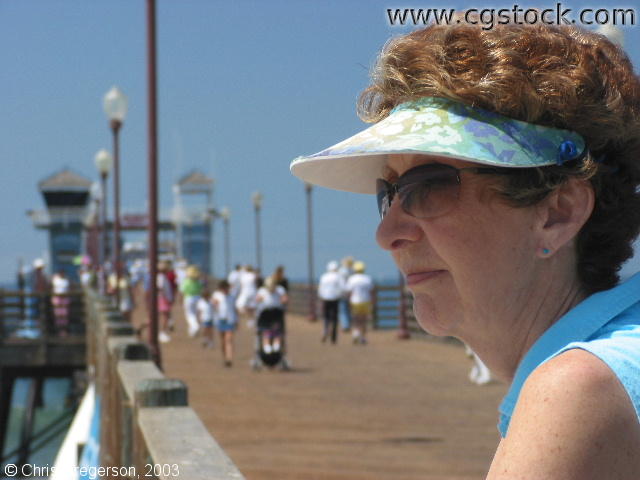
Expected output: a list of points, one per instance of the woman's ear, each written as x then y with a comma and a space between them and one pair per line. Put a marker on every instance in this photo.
563, 213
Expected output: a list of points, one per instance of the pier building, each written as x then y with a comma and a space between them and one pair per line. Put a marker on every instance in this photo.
66, 195
194, 221
72, 221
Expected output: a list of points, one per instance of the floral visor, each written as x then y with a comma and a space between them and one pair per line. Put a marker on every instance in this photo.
440, 127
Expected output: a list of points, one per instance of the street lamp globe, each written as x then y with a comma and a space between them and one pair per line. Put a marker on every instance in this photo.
115, 104
225, 213
104, 162
256, 198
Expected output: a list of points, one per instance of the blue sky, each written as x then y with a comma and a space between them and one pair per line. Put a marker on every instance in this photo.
244, 87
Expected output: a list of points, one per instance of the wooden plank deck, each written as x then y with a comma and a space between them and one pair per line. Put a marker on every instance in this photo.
390, 410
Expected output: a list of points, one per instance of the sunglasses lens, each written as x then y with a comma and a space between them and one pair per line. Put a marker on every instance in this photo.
383, 196
429, 190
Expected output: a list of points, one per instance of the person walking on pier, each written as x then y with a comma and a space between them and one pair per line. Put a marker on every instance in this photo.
125, 291
38, 287
234, 281
506, 166
165, 300
60, 301
191, 289
331, 288
204, 308
344, 312
172, 277
360, 288
271, 301
280, 278
225, 319
245, 303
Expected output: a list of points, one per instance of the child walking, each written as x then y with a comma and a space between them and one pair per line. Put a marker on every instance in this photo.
226, 319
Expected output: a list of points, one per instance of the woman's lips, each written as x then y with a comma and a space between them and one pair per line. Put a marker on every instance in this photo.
419, 277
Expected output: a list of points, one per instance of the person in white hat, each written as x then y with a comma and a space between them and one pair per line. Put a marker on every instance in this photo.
360, 288
40, 281
506, 166
330, 290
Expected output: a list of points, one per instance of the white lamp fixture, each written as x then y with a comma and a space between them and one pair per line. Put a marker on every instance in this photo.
104, 162
115, 104
256, 198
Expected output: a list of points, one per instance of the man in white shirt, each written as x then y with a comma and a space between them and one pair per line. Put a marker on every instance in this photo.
330, 290
344, 308
360, 288
234, 281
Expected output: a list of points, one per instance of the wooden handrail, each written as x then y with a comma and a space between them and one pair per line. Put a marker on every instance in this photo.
146, 422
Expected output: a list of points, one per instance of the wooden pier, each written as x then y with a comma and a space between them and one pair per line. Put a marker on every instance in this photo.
390, 410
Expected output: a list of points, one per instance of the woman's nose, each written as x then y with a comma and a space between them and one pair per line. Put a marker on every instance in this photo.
397, 229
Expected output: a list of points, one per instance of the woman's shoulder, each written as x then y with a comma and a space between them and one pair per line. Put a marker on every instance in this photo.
573, 420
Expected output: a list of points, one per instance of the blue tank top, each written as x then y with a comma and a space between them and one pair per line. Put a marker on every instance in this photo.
607, 324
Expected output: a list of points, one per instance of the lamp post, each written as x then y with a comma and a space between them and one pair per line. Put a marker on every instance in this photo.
152, 175
256, 198
93, 244
212, 214
104, 162
115, 106
225, 214
308, 188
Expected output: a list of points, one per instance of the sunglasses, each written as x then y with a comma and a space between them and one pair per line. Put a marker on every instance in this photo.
427, 191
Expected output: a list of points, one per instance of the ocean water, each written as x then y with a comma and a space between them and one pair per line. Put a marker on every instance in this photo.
52, 419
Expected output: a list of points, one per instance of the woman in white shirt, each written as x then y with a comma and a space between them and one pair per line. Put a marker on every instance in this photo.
225, 319
60, 301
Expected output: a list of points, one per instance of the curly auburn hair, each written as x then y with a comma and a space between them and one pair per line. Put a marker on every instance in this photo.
559, 76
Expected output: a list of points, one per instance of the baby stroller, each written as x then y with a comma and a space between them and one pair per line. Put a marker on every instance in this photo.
270, 348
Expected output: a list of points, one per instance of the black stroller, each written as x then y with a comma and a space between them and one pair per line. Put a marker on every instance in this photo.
271, 347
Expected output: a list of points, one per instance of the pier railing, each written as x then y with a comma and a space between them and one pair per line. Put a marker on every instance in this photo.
33, 315
390, 304
146, 424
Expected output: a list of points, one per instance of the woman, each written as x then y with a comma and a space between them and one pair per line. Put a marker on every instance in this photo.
506, 164
226, 319
165, 300
61, 302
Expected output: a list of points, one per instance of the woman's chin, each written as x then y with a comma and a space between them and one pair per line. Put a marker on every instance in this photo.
430, 319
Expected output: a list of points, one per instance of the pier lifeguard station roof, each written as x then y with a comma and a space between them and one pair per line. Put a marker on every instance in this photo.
65, 188
64, 180
195, 182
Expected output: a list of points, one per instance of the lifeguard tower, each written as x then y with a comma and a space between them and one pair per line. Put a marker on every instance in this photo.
193, 216
66, 195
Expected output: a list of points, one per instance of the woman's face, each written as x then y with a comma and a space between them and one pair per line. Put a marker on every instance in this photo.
469, 267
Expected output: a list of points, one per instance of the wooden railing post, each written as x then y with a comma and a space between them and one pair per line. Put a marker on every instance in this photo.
145, 420
153, 392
